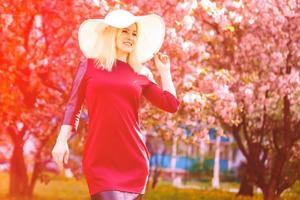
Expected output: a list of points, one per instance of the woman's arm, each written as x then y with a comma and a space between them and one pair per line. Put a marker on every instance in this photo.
163, 65
166, 79
167, 83
60, 152
76, 97
165, 97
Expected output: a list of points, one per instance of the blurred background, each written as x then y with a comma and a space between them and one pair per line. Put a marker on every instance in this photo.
235, 65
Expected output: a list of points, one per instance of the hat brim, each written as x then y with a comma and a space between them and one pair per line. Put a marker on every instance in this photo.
151, 35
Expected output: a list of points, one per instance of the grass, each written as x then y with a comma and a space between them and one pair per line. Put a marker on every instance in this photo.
61, 188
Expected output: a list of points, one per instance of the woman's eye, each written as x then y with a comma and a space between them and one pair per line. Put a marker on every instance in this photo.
124, 31
134, 34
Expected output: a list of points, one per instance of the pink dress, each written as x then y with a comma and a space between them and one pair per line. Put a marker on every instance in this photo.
115, 156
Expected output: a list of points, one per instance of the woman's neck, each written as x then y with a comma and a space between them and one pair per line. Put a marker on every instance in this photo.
121, 55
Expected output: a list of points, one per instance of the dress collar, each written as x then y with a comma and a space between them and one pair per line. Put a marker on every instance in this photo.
124, 63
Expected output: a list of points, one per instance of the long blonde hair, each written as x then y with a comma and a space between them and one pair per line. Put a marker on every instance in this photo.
107, 49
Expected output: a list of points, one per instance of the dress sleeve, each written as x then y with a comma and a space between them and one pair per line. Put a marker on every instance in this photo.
160, 98
76, 97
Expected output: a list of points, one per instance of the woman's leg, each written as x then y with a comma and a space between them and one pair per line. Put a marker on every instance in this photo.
107, 195
116, 195
139, 197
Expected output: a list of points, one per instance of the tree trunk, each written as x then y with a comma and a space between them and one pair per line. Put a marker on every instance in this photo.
18, 180
156, 174
270, 194
35, 174
246, 188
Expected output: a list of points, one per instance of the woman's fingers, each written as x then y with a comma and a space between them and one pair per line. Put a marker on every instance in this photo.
163, 58
157, 57
60, 155
60, 161
58, 158
162, 61
66, 157
55, 156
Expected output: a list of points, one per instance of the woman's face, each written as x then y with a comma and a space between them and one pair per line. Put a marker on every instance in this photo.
126, 38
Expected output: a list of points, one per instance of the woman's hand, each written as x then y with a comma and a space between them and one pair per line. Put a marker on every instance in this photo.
162, 62
60, 153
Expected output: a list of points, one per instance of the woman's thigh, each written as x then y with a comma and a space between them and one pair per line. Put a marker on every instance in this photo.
116, 195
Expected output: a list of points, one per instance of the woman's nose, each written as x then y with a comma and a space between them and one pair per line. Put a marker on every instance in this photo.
131, 36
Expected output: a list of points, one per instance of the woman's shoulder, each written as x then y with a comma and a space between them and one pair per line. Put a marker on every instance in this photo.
145, 71
83, 67
85, 63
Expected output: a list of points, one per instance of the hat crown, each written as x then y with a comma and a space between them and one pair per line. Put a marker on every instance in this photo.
116, 16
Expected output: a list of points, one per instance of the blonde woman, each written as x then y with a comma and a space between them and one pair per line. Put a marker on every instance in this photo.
112, 80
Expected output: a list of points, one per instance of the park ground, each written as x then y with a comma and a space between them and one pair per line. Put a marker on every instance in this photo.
62, 188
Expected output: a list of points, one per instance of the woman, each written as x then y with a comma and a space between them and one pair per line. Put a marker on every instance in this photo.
112, 80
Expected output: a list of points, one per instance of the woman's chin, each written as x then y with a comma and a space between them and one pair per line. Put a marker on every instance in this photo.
127, 50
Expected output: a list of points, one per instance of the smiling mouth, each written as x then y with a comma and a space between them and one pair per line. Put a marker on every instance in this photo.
128, 43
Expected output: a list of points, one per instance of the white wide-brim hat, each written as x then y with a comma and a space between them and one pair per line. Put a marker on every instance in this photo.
151, 30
